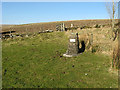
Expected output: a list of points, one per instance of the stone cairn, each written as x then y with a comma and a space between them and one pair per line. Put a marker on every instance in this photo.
73, 46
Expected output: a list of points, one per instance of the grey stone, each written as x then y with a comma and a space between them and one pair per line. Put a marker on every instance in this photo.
73, 46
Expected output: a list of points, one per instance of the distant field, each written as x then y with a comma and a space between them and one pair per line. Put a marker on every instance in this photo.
36, 27
37, 62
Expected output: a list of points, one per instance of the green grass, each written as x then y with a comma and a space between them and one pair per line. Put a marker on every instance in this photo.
37, 62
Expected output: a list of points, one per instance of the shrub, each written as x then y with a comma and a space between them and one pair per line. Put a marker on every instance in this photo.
95, 48
97, 26
84, 27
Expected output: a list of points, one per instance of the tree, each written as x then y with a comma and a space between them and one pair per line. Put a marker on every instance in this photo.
112, 8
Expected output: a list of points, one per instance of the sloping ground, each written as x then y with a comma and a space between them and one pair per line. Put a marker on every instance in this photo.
36, 27
38, 62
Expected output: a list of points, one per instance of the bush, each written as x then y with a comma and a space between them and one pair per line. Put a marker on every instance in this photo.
95, 48
84, 27
97, 26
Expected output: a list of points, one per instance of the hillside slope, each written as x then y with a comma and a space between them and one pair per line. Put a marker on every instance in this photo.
36, 27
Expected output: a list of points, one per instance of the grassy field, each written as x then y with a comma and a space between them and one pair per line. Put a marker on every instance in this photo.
37, 62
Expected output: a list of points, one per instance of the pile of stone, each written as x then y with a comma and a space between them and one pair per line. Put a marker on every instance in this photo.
46, 31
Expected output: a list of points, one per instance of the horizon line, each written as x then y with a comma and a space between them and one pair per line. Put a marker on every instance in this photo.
55, 21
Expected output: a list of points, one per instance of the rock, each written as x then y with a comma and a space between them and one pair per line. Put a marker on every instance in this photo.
86, 74
48, 30
26, 35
